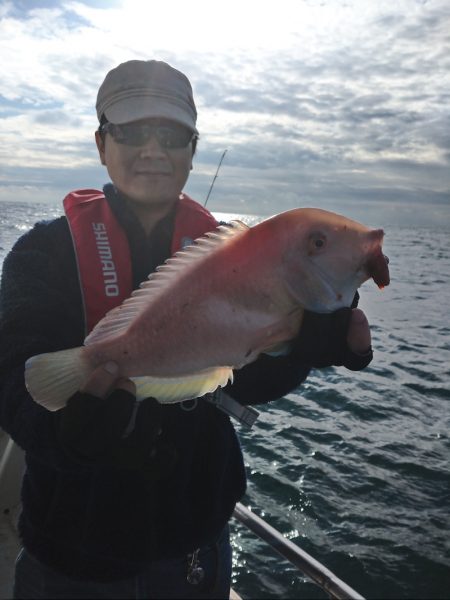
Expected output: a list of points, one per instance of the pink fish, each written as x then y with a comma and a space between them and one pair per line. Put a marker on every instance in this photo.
217, 305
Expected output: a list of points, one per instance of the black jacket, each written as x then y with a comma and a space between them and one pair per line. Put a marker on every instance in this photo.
99, 522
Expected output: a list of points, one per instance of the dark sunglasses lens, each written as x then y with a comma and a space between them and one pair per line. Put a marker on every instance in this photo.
123, 134
168, 136
131, 135
173, 137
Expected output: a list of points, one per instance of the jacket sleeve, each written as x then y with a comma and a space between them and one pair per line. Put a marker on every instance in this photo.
38, 313
266, 379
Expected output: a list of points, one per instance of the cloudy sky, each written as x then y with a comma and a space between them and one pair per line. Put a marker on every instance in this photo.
333, 103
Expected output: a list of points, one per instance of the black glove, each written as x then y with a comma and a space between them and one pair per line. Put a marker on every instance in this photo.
116, 432
322, 341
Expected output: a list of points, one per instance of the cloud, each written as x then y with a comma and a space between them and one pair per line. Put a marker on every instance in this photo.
315, 101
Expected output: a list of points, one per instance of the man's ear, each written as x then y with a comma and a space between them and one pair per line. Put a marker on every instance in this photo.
100, 147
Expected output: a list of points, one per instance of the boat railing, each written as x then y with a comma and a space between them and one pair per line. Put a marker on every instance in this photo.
312, 568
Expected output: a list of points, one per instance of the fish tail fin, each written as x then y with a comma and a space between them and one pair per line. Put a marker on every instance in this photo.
53, 377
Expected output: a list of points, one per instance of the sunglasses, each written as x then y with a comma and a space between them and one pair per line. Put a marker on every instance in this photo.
137, 134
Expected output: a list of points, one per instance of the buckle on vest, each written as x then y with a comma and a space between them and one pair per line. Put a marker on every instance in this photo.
246, 415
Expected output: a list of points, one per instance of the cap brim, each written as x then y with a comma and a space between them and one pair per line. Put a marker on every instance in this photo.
136, 109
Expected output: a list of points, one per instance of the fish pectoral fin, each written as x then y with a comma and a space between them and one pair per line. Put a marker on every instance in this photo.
168, 390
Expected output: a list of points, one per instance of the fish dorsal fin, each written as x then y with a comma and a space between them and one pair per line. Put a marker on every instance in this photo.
117, 320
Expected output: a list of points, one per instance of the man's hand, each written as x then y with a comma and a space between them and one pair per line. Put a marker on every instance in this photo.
105, 379
358, 335
103, 424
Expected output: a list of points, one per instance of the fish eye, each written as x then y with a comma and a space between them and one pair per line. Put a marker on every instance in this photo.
317, 241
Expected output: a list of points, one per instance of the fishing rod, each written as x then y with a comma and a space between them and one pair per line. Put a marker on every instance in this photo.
215, 176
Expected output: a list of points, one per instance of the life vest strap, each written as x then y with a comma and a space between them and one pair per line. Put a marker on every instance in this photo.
102, 253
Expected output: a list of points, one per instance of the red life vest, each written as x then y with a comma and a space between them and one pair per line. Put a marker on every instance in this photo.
103, 253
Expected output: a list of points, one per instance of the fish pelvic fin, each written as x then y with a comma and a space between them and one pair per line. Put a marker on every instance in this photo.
117, 320
52, 378
169, 390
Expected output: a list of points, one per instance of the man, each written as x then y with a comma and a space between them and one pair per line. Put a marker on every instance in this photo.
124, 499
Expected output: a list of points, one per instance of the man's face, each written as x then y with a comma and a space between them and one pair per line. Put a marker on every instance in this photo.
146, 171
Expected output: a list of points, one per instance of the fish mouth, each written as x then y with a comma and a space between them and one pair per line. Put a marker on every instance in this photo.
377, 268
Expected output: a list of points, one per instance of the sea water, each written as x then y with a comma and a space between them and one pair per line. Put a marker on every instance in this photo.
354, 467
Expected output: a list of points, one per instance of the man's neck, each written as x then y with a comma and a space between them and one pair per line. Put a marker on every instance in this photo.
149, 216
